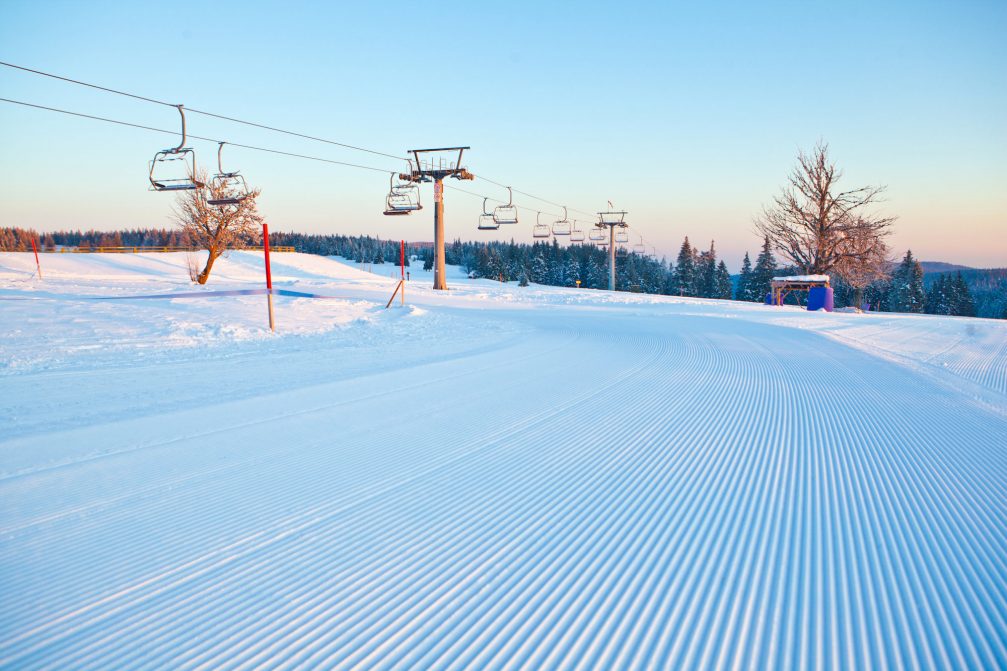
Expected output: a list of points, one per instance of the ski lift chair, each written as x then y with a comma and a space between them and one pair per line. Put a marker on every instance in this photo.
640, 248
506, 214
541, 230
622, 236
230, 187
486, 220
576, 235
597, 235
403, 197
561, 226
175, 169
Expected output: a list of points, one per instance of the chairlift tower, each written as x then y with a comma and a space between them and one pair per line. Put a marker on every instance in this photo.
612, 221
433, 165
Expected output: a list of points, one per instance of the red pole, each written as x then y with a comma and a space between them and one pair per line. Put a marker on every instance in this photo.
35, 249
402, 266
269, 275
265, 248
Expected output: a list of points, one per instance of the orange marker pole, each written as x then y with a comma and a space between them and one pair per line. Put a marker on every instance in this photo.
35, 249
269, 276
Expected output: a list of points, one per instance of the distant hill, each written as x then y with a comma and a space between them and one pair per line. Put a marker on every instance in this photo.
941, 267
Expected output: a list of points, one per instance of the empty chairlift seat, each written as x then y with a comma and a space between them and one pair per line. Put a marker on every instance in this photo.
486, 220
226, 188
175, 169
506, 214
403, 195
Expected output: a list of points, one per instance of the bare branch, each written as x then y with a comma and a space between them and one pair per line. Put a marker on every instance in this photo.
820, 229
217, 228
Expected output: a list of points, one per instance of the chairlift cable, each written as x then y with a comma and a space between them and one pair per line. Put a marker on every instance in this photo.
250, 147
244, 146
93, 86
496, 200
258, 125
525, 193
196, 111
243, 122
195, 137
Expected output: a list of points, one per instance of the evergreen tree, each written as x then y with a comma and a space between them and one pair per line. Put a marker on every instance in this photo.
723, 282
765, 270
907, 294
706, 273
938, 302
571, 271
964, 306
539, 270
597, 277
744, 292
684, 282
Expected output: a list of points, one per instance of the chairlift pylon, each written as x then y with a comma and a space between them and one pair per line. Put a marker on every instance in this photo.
486, 220
541, 230
506, 214
404, 195
561, 226
164, 180
230, 187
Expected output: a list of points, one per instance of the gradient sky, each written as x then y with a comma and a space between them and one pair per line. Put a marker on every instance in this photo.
689, 116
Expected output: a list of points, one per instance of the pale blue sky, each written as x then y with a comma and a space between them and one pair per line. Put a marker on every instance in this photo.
687, 115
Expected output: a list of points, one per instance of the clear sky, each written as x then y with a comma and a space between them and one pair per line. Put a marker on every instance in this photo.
688, 115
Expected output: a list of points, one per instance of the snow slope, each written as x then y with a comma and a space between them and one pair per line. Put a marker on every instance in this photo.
492, 477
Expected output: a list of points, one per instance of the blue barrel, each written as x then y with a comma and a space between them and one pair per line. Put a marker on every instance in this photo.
820, 298
769, 298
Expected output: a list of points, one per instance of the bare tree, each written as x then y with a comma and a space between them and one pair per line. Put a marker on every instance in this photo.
819, 228
865, 259
217, 228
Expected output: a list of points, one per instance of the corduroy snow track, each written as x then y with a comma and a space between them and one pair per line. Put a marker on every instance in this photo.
580, 480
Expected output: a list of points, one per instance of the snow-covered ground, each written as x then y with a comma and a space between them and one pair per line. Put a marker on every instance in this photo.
490, 477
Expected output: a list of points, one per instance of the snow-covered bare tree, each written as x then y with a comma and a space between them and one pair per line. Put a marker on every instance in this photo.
217, 228
817, 227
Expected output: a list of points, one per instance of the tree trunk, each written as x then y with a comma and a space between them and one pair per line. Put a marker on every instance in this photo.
205, 275
858, 297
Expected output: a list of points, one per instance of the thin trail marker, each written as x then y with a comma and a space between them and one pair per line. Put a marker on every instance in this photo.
269, 276
35, 249
401, 286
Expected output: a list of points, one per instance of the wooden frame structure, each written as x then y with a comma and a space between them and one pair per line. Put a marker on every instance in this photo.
784, 286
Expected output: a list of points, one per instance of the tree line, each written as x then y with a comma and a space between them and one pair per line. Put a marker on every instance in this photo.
19, 239
695, 272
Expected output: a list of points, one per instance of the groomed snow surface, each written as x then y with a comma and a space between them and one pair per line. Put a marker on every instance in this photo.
491, 477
